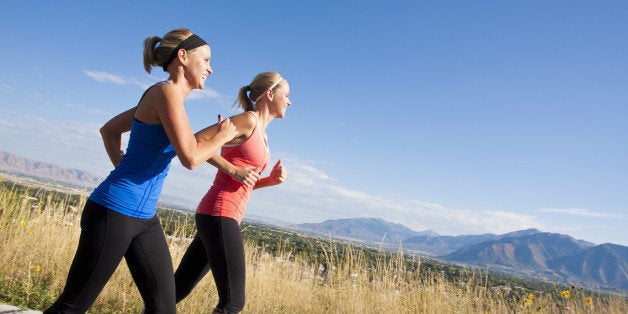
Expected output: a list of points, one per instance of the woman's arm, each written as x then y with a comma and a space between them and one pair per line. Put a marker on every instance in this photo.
168, 103
244, 175
244, 126
277, 176
111, 134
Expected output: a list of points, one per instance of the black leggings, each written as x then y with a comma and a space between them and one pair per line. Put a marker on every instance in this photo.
217, 246
107, 236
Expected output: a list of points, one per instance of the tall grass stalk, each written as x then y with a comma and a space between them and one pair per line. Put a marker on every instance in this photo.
40, 232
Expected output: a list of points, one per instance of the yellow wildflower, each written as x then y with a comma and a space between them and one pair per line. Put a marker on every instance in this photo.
29, 231
587, 301
39, 211
529, 299
565, 294
22, 223
37, 268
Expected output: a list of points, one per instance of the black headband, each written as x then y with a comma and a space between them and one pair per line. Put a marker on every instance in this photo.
188, 44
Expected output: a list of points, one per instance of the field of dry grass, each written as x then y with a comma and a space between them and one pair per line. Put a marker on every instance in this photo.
40, 231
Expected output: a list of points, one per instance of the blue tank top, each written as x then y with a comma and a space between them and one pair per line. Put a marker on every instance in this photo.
134, 186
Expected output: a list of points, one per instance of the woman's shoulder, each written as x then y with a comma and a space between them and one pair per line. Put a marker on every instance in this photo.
246, 119
245, 123
163, 92
162, 88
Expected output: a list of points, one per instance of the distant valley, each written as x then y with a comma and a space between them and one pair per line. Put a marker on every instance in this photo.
75, 179
532, 253
14, 164
529, 253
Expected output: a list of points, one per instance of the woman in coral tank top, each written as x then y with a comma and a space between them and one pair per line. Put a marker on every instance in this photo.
218, 245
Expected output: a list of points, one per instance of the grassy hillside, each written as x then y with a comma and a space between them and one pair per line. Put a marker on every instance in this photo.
287, 272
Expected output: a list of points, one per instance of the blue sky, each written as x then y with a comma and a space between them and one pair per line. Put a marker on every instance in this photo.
463, 117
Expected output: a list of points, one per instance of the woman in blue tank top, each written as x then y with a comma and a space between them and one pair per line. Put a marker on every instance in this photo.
119, 218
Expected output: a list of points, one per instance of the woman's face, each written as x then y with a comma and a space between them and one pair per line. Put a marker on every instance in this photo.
198, 67
281, 100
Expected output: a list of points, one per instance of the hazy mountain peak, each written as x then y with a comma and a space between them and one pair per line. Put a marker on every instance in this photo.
365, 229
23, 166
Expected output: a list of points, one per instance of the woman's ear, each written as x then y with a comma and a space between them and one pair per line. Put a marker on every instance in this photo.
182, 54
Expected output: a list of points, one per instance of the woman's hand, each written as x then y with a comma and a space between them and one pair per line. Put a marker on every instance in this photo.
226, 129
277, 174
111, 134
246, 176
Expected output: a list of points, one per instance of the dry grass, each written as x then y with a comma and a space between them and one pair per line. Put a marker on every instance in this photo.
39, 237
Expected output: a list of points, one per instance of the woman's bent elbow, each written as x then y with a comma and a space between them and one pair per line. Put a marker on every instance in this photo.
190, 163
107, 133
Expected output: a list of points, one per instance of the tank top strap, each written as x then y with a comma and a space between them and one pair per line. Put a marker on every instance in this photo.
146, 91
259, 130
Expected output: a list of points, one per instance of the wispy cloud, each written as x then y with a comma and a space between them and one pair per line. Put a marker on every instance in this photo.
109, 78
105, 77
581, 212
206, 93
312, 195
8, 88
87, 109
75, 144
309, 194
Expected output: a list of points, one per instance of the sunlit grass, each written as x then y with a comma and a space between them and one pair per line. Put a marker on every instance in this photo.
40, 231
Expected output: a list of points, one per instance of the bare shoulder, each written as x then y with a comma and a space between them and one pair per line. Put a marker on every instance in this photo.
158, 100
245, 120
154, 94
165, 91
245, 123
168, 95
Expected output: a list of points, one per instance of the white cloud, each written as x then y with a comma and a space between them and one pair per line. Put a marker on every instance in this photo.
581, 212
87, 110
105, 77
206, 93
74, 144
308, 195
8, 88
311, 195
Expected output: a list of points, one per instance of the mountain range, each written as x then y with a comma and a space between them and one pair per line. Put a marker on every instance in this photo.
364, 229
74, 178
531, 252
556, 257
441, 245
50, 172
